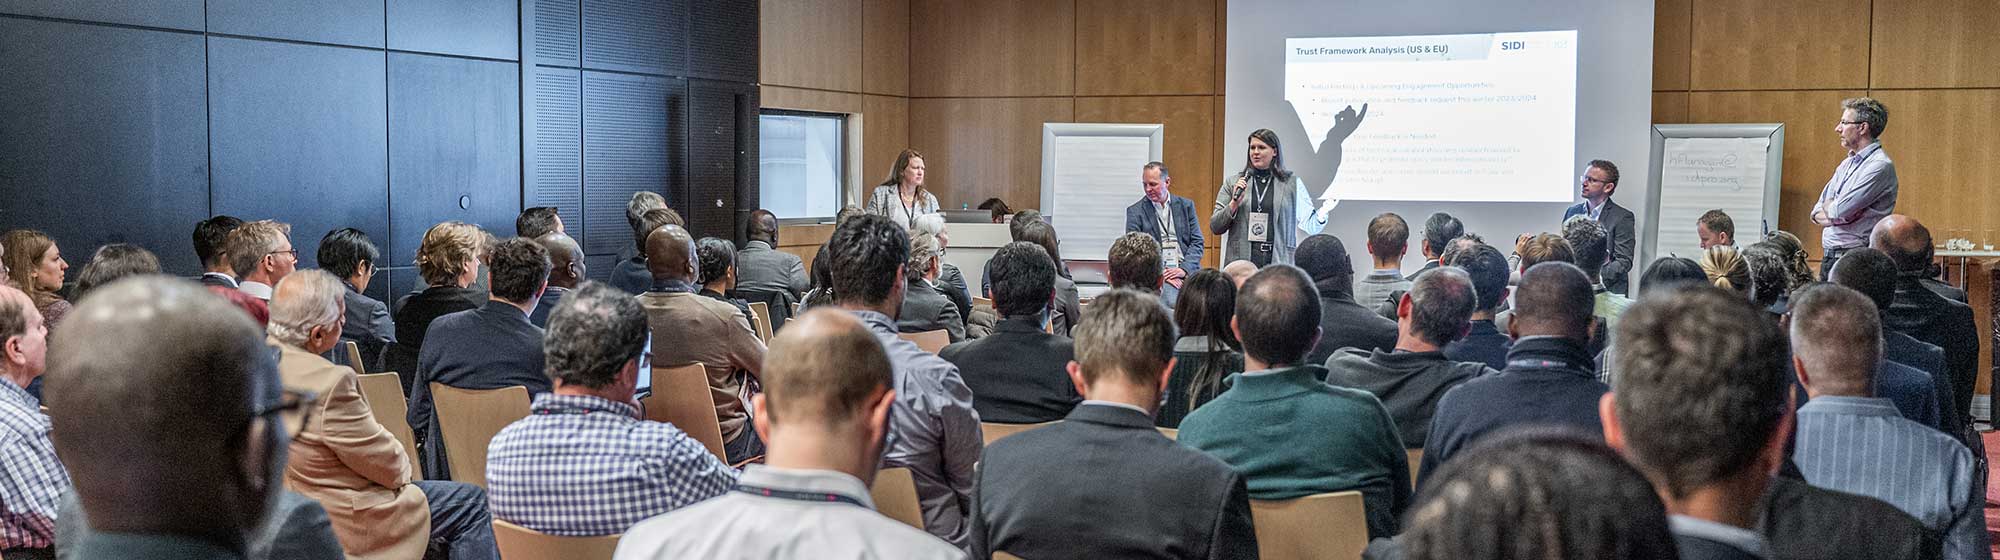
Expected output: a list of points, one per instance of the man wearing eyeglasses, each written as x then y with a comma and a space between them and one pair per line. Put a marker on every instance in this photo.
1599, 181
1863, 188
31, 478
261, 253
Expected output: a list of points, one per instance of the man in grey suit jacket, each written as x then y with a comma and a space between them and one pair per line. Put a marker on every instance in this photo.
1049, 493
760, 267
1180, 242
1600, 180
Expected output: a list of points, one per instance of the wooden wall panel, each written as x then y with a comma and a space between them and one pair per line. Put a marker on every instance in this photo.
1779, 44
1145, 47
781, 97
1947, 153
1936, 43
885, 123
1673, 24
980, 148
1812, 149
1670, 107
885, 47
974, 48
1190, 143
811, 43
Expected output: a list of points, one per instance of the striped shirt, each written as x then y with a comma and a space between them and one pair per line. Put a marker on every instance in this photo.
32, 479
1862, 446
585, 466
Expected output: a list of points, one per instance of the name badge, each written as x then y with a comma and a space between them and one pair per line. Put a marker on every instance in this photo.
1260, 227
1170, 253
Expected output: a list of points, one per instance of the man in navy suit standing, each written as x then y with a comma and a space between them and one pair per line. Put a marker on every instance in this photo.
1169, 219
1599, 180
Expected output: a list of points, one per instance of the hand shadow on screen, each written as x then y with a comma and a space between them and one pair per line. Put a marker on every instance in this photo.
1316, 168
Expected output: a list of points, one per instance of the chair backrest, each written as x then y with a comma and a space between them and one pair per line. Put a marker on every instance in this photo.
354, 357
384, 393
469, 418
1005, 556
1331, 525
761, 319
1416, 460
993, 432
982, 302
929, 341
520, 543
681, 397
895, 496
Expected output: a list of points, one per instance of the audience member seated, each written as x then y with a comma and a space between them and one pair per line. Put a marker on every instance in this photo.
716, 259
1207, 352
1439, 231
537, 222
1134, 263
1923, 314
1702, 409
825, 412
33, 481
1018, 374
1532, 250
1343, 323
36, 266
1873, 273
294, 528
1282, 427
822, 282
448, 260
1770, 278
1410, 379
1016, 225
1068, 312
1714, 228
925, 307
761, 267
1851, 441
1725, 269
1483, 343
1388, 239
691, 329
342, 456
998, 209
1805, 522
949, 279
191, 465
262, 254
567, 270
1103, 483
933, 429
351, 257
1797, 268
112, 262
1544, 495
1550, 378
1592, 246
631, 273
211, 240
1664, 273
1930, 280
585, 462
1240, 271
492, 347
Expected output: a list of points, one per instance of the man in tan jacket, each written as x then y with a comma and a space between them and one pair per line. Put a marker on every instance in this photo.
689, 328
349, 462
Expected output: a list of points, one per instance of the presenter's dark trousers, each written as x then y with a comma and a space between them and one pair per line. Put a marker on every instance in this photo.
1826, 263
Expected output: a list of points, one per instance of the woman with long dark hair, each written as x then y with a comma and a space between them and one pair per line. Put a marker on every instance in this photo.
901, 197
1263, 222
1207, 351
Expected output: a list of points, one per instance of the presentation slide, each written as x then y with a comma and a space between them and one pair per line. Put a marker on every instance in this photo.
1487, 117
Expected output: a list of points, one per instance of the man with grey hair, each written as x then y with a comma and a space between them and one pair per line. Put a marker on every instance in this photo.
1411, 379
1170, 220
630, 272
348, 459
585, 461
261, 253
925, 305
32, 479
1863, 188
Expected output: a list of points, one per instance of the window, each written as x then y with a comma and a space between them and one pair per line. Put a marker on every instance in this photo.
801, 163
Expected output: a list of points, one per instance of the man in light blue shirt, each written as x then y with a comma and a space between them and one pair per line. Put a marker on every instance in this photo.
1851, 441
1863, 189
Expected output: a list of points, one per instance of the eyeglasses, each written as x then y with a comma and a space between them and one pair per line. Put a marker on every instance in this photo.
293, 252
1853, 122
1589, 179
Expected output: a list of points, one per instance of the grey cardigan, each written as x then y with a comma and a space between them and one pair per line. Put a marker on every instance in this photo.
1290, 215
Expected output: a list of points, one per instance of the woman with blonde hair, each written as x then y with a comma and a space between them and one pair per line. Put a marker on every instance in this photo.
901, 197
448, 259
1725, 268
35, 265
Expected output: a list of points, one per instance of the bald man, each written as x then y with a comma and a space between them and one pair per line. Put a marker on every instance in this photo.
198, 450
1922, 313
566, 271
825, 412
33, 479
689, 328
1240, 271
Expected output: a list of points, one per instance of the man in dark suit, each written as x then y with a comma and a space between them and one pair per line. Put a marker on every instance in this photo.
1484, 343
1922, 313
761, 268
1439, 230
209, 238
646, 212
1077, 489
351, 256
1018, 374
491, 347
1873, 273
566, 271
1342, 322
1600, 180
1171, 220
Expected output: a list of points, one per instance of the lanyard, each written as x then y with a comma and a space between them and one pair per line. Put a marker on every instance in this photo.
1166, 231
1256, 195
821, 497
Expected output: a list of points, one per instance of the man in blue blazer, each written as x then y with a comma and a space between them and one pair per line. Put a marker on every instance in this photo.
1181, 242
1599, 180
492, 347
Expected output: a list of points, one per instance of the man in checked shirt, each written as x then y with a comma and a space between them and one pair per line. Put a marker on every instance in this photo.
31, 478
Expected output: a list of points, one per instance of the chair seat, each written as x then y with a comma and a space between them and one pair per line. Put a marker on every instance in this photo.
520, 543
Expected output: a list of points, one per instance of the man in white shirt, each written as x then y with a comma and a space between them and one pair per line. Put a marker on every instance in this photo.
825, 413
261, 253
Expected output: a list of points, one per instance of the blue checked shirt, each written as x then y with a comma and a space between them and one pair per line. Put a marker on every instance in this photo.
32, 479
582, 466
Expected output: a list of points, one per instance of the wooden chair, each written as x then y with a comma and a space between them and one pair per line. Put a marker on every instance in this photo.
1171, 433
520, 543
1416, 460
980, 301
384, 393
929, 341
1331, 525
468, 420
895, 496
1005, 556
760, 319
995, 431
354, 357
681, 397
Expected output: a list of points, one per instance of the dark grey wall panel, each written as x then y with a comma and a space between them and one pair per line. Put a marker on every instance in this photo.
722, 41
715, 114
558, 32
482, 28
625, 150
341, 22
174, 14
299, 135
558, 135
102, 137
649, 36
454, 137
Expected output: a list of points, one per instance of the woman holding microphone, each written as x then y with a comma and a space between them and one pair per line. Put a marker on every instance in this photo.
1263, 223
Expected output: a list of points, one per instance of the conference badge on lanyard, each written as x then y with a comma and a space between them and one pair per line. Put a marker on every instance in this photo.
1260, 227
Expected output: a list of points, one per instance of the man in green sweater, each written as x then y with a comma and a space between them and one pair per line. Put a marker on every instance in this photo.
1282, 427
